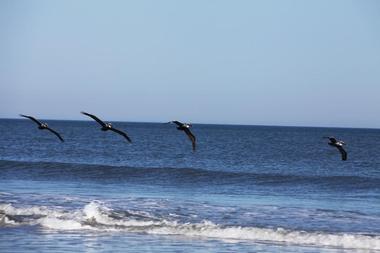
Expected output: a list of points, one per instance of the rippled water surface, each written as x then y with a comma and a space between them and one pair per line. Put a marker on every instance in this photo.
245, 189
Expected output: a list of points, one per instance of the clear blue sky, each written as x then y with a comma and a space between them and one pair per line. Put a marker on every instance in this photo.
313, 63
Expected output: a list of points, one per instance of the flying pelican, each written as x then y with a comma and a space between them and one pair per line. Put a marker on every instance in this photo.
43, 126
186, 128
339, 145
107, 126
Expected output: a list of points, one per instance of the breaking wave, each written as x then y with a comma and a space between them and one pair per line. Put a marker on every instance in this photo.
95, 216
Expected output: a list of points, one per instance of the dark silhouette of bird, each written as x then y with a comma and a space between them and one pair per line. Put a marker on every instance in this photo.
339, 145
107, 126
186, 128
42, 126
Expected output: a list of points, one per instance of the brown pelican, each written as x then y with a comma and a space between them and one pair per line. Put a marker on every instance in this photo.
107, 126
43, 126
339, 145
186, 128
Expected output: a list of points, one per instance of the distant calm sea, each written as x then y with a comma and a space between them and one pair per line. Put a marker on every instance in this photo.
246, 189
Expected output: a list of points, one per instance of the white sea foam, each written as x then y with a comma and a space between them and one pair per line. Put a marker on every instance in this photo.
5, 220
34, 210
207, 229
61, 224
98, 212
5, 193
96, 216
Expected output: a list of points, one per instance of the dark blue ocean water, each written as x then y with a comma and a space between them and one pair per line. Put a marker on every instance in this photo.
246, 189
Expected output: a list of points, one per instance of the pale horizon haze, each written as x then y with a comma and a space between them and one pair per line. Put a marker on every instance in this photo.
294, 63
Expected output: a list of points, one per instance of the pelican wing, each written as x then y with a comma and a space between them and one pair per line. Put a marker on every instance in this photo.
32, 118
191, 137
177, 123
95, 118
54, 132
121, 133
343, 152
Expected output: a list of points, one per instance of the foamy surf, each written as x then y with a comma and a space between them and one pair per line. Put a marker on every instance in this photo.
96, 216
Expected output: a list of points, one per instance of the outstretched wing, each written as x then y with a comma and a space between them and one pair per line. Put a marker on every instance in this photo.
54, 132
343, 152
191, 137
95, 118
177, 122
121, 133
32, 118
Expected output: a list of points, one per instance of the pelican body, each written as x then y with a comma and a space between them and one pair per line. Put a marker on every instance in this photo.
339, 145
186, 128
43, 126
107, 126
183, 127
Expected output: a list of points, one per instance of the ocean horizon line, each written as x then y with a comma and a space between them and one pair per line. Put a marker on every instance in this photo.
212, 124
